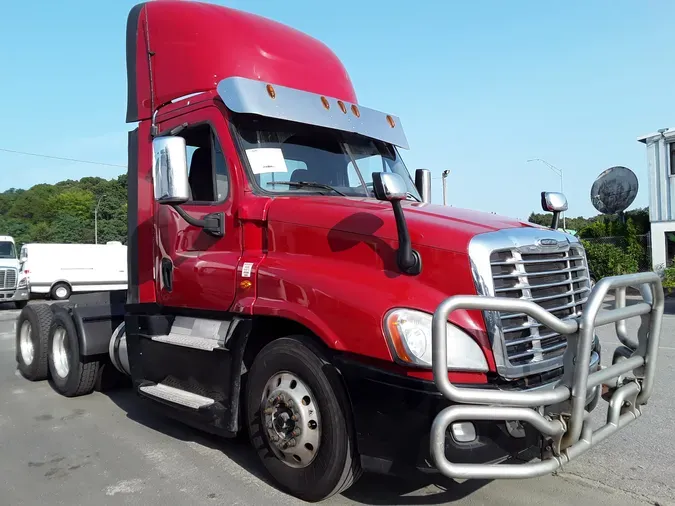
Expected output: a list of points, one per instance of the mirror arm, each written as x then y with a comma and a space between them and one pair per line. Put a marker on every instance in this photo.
213, 224
555, 221
409, 260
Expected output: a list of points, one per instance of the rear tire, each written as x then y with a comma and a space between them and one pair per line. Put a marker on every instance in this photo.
32, 336
70, 375
60, 291
334, 465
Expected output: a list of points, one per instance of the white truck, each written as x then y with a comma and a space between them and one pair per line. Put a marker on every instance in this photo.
10, 290
58, 270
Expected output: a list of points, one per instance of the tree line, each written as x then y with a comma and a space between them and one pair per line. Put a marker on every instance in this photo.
613, 245
64, 212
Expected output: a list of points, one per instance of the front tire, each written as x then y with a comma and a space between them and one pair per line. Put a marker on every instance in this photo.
70, 375
32, 336
299, 420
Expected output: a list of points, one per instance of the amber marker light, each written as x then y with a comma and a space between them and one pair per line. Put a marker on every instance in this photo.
245, 285
270, 91
343, 107
356, 111
391, 121
393, 327
325, 103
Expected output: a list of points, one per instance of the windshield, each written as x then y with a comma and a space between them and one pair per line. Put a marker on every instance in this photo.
7, 250
279, 151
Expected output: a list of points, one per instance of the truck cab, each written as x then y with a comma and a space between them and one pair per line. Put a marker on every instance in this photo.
288, 278
10, 288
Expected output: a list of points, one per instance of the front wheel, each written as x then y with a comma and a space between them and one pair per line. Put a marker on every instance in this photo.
299, 420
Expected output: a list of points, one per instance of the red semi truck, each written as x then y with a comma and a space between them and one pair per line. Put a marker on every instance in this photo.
290, 280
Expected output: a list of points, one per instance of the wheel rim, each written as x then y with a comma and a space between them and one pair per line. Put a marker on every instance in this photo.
26, 343
292, 419
61, 292
61, 352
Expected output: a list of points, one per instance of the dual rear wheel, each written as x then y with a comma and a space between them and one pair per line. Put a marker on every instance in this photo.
47, 346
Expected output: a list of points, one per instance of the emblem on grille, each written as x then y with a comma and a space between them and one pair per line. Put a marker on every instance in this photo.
547, 242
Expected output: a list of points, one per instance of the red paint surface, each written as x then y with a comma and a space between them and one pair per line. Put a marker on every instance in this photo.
195, 45
331, 264
326, 262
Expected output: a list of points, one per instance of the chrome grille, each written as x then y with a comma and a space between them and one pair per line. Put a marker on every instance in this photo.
7, 279
541, 265
557, 281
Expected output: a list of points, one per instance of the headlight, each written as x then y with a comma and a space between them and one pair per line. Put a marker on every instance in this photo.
23, 282
409, 333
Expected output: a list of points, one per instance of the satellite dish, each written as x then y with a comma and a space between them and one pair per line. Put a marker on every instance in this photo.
614, 190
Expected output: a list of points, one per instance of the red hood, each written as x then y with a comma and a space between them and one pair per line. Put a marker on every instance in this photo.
443, 227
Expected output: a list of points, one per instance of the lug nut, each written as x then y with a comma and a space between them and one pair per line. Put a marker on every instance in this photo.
296, 432
292, 442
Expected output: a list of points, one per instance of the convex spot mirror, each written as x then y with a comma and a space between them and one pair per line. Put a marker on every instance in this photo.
389, 186
553, 201
170, 172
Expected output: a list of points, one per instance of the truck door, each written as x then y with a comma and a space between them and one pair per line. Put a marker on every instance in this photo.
194, 269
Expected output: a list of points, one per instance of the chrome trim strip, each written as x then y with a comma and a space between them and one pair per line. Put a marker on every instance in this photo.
242, 95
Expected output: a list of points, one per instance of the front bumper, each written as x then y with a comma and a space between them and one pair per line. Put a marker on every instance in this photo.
19, 294
560, 414
393, 415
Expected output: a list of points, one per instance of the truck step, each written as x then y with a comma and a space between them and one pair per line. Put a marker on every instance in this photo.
198, 343
197, 333
177, 396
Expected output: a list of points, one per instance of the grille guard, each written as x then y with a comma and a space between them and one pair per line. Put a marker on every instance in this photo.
568, 429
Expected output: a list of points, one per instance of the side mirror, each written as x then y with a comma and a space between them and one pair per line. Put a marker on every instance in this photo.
423, 184
391, 187
555, 203
170, 173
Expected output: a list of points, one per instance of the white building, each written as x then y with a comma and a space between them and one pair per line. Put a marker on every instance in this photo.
661, 169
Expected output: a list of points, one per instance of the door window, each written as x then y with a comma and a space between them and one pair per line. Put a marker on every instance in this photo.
207, 169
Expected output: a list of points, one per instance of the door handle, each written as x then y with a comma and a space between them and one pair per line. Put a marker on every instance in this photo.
167, 274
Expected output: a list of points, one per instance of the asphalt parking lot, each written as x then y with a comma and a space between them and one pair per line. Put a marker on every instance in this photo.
106, 448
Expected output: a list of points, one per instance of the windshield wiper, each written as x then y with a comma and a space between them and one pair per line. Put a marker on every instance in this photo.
308, 184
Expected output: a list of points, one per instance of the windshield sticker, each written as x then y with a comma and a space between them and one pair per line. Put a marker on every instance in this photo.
266, 160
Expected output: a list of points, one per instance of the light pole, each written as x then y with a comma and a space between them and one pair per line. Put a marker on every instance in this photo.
560, 174
96, 219
444, 176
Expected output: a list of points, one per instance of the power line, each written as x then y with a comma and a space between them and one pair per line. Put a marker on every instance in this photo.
61, 158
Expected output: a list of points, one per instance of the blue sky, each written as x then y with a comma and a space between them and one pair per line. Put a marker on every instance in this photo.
480, 87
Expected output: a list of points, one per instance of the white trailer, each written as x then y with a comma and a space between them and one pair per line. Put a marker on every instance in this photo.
57, 270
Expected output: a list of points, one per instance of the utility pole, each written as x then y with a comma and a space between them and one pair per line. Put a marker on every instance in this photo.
560, 174
96, 219
445, 176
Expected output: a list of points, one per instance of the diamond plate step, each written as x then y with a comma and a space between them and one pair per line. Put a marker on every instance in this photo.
196, 342
177, 396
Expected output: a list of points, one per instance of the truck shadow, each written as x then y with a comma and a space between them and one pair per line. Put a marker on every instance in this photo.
370, 489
